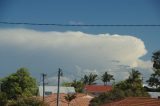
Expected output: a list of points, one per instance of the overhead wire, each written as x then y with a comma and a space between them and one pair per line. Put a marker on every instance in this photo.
79, 25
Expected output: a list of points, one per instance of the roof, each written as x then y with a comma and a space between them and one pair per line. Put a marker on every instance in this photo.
80, 100
98, 88
53, 89
154, 94
135, 101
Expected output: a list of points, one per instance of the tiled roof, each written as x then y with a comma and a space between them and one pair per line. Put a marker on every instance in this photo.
135, 101
98, 88
80, 100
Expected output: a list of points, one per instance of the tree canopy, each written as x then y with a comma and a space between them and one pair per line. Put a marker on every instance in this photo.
154, 79
19, 84
106, 78
132, 86
156, 59
77, 84
89, 79
69, 98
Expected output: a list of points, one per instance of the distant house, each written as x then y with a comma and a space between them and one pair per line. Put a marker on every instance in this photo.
95, 90
80, 100
53, 89
154, 94
153, 91
135, 101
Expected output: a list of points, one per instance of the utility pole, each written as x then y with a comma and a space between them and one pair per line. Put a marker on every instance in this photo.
59, 74
43, 79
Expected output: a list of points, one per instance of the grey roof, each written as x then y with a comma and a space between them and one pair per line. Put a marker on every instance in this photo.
154, 94
53, 89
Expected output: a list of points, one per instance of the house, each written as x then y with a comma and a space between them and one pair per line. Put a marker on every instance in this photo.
135, 101
80, 100
153, 91
154, 94
53, 89
96, 90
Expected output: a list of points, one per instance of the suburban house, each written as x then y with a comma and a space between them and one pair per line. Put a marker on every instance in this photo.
135, 101
53, 90
95, 90
80, 100
153, 91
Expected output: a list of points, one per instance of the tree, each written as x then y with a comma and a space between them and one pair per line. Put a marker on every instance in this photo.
19, 84
69, 98
27, 101
78, 85
115, 94
154, 79
132, 86
3, 99
135, 76
89, 79
106, 78
156, 59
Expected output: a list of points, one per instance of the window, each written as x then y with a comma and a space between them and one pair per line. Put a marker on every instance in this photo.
48, 93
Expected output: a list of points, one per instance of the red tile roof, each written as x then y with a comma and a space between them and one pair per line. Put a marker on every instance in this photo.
98, 88
80, 100
135, 101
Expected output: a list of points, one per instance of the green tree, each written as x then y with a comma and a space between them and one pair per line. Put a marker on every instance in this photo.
154, 79
78, 85
134, 77
156, 59
89, 79
107, 97
19, 84
27, 101
132, 86
3, 99
106, 78
69, 98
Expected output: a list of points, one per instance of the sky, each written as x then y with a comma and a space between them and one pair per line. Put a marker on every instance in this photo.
78, 50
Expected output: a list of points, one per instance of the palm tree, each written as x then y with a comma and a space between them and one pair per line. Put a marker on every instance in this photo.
106, 78
89, 79
134, 76
78, 85
69, 98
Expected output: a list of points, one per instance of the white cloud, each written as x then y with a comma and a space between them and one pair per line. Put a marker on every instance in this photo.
87, 51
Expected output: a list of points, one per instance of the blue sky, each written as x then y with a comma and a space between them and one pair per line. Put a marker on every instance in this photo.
76, 12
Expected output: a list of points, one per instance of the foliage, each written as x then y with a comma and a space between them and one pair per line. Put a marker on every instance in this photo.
27, 101
132, 86
115, 94
3, 99
106, 78
78, 85
156, 59
89, 79
154, 79
69, 97
19, 84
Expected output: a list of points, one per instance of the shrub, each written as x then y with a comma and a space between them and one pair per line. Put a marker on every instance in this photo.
30, 101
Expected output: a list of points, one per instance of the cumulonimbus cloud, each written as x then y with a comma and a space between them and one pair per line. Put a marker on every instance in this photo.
89, 51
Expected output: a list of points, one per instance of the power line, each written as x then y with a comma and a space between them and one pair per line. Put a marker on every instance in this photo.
79, 25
